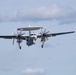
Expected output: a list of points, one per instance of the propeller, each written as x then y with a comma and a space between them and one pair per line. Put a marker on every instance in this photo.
44, 34
18, 35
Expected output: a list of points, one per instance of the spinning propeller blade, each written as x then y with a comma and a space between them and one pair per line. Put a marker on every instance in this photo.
17, 35
44, 34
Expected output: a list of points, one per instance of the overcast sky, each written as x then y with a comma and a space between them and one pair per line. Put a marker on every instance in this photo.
58, 57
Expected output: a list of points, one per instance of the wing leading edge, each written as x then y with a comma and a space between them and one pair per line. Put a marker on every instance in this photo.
13, 37
7, 36
55, 34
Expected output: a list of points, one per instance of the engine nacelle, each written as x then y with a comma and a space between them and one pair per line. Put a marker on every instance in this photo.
43, 39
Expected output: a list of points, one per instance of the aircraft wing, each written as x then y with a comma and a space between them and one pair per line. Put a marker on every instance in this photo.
7, 36
12, 37
55, 34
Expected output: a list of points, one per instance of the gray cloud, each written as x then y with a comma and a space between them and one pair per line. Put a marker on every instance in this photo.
39, 14
54, 12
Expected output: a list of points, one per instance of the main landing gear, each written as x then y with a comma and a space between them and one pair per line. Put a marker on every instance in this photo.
42, 44
19, 47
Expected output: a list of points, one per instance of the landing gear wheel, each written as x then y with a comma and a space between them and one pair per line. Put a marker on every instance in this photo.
20, 47
41, 46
